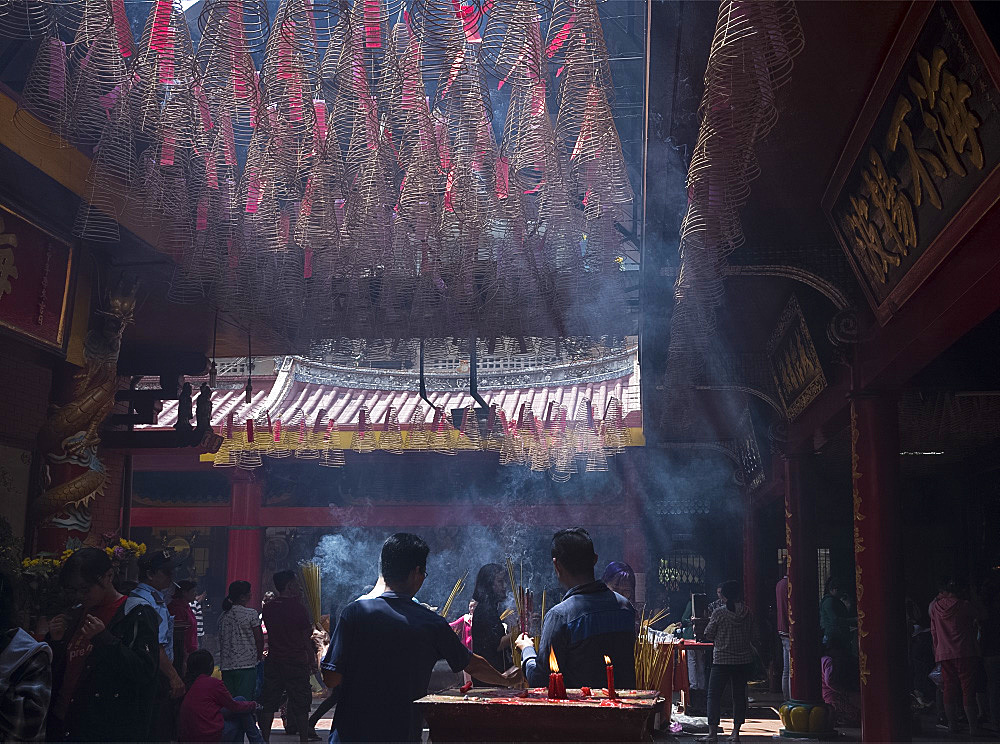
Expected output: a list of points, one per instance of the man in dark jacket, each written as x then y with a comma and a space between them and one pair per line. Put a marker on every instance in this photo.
590, 623
25, 675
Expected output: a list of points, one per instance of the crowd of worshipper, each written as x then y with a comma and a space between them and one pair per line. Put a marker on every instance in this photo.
128, 663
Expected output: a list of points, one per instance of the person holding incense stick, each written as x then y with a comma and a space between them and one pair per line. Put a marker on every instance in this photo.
384, 649
490, 638
591, 623
288, 662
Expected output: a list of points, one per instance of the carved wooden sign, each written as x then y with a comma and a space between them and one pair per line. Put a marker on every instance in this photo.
798, 375
920, 166
34, 281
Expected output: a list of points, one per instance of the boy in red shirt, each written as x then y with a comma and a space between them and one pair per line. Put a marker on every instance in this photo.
203, 712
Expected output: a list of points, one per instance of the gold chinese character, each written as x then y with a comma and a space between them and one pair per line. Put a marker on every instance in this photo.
893, 207
942, 99
8, 270
866, 239
899, 131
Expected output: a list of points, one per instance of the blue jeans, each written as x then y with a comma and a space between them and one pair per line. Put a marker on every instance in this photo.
236, 726
786, 665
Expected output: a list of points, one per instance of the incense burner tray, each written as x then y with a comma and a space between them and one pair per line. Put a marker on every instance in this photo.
490, 714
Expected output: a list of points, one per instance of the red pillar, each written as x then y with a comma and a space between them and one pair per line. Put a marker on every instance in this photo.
246, 536
803, 585
633, 534
878, 566
751, 568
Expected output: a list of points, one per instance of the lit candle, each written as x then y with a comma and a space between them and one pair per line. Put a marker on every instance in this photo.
557, 689
611, 678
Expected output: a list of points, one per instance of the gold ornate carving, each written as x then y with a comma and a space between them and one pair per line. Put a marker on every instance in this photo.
795, 365
8, 270
878, 219
859, 546
74, 475
791, 604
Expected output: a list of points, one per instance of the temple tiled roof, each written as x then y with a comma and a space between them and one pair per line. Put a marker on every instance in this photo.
310, 389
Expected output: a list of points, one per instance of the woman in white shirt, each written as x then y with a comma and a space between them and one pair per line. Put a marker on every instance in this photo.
241, 641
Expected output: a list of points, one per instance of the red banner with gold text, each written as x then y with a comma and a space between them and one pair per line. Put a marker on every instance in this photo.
34, 280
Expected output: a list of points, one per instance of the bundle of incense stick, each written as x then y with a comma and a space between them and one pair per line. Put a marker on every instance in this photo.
652, 659
455, 591
514, 588
311, 589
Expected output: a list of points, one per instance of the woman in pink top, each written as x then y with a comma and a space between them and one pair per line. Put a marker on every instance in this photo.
463, 626
209, 712
953, 630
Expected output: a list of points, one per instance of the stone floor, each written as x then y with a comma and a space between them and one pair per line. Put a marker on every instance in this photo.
762, 725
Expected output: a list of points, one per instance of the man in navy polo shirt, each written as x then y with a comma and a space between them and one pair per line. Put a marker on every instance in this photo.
590, 623
385, 647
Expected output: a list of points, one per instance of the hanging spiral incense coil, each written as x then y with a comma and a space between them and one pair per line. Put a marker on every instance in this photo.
100, 79
750, 58
575, 36
246, 22
528, 141
25, 19
331, 454
111, 178
584, 67
43, 111
512, 50
419, 436
391, 438
321, 211
225, 457
290, 81
374, 20
370, 205
389, 86
233, 30
597, 165
616, 434
589, 444
468, 435
439, 27
363, 437
164, 72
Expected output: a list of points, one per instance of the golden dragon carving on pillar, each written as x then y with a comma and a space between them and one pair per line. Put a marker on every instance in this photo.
68, 441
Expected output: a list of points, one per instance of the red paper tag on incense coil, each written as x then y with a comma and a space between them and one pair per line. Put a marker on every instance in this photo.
319, 107
503, 176
201, 221
167, 147
211, 172
373, 25
284, 228
466, 687
585, 691
158, 38
167, 57
560, 38
57, 69
122, 29
254, 192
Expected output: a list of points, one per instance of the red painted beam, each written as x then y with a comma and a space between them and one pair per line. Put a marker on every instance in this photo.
388, 515
181, 516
